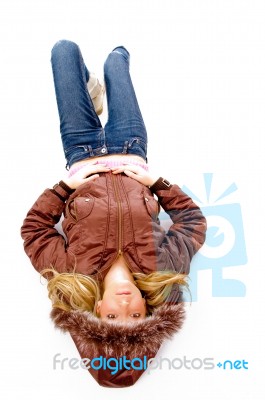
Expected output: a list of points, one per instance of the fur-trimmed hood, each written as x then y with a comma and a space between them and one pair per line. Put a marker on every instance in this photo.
95, 337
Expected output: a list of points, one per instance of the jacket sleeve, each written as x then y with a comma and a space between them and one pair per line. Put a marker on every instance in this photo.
43, 244
187, 233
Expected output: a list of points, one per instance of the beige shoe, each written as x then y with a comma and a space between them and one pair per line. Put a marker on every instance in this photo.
96, 91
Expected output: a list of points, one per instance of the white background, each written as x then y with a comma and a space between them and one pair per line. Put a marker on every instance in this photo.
198, 70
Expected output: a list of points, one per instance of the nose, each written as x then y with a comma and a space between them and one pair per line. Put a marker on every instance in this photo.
124, 302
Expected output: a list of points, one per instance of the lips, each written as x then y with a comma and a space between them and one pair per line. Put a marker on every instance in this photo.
127, 292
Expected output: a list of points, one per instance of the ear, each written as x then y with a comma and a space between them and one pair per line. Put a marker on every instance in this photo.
98, 307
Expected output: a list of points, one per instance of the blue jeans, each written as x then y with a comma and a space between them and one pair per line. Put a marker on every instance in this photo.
81, 131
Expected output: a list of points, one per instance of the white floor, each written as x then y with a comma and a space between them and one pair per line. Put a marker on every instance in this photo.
198, 69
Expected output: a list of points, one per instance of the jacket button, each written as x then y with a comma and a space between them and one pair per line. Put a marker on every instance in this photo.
103, 150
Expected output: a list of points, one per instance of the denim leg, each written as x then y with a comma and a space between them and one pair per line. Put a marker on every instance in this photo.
81, 131
125, 129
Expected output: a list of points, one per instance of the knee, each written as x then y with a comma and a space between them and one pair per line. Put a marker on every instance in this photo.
118, 54
121, 50
64, 48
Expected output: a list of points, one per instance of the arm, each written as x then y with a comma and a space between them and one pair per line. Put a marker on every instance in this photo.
43, 244
187, 233
185, 236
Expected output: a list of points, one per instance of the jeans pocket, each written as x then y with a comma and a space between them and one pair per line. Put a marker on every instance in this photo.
76, 153
137, 142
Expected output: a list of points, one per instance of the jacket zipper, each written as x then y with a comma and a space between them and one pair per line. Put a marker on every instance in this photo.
120, 229
117, 196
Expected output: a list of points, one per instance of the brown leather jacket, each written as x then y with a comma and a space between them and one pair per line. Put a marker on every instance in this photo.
113, 215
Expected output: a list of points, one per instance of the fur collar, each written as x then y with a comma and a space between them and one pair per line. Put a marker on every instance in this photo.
94, 336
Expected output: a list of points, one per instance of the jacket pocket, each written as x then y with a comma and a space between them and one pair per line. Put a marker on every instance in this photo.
152, 205
80, 207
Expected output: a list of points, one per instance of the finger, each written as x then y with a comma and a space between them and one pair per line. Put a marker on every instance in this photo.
131, 174
117, 170
92, 177
134, 168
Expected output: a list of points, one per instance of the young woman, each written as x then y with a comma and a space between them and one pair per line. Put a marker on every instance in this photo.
115, 261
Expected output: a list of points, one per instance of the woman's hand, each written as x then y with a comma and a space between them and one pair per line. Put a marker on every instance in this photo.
87, 173
136, 172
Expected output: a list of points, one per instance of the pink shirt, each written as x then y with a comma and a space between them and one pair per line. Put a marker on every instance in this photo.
110, 163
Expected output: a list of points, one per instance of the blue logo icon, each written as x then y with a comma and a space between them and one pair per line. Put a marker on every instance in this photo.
224, 245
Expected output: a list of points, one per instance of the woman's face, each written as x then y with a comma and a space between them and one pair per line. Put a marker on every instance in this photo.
122, 301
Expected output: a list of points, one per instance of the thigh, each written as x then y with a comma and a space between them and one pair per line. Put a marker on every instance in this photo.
125, 129
80, 127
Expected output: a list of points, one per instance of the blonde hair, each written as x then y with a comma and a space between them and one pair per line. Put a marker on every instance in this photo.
74, 291
157, 286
